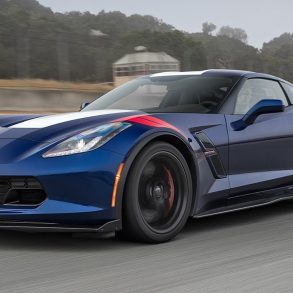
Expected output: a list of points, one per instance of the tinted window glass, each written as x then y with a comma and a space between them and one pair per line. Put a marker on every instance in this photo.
289, 90
185, 94
255, 90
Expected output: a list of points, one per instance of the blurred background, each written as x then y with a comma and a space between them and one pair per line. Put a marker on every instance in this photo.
53, 61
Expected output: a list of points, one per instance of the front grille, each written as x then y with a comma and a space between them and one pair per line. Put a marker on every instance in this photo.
21, 191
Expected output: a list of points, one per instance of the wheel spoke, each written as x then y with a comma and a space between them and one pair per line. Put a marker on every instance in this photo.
149, 170
159, 191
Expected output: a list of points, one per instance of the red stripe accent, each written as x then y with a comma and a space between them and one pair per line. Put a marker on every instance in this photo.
162, 123
142, 120
128, 117
150, 121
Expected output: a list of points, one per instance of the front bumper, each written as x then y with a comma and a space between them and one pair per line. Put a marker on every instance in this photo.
78, 193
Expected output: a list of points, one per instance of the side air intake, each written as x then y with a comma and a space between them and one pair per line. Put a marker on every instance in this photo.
211, 154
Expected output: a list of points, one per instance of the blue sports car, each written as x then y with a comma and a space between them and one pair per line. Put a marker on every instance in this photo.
146, 156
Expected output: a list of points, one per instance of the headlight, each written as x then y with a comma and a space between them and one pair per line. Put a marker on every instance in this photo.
88, 140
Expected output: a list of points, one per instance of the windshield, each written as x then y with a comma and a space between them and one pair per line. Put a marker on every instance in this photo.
180, 94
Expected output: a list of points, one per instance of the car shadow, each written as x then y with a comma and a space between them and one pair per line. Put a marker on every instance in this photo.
65, 242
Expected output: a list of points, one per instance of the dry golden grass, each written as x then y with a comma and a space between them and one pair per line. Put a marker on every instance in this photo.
37, 84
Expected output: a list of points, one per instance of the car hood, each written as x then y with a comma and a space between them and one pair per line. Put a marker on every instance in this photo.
51, 127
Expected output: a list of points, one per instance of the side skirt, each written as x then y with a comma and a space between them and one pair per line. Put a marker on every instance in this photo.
252, 200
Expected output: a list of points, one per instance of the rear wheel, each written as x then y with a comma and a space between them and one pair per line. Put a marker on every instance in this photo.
158, 194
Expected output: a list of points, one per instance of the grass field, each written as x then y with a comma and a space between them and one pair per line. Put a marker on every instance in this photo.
38, 84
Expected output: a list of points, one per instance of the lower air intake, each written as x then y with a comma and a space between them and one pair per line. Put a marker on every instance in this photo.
21, 191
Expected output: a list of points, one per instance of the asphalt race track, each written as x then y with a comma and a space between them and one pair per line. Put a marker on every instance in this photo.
250, 251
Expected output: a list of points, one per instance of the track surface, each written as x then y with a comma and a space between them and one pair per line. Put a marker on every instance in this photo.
250, 251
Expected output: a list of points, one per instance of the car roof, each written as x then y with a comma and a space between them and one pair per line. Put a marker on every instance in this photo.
222, 73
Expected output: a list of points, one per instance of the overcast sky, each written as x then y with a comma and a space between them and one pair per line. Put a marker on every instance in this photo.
262, 19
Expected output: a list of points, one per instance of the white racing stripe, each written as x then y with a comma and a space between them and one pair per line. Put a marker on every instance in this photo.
50, 120
176, 73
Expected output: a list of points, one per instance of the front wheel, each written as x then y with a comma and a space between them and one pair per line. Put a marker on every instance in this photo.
158, 194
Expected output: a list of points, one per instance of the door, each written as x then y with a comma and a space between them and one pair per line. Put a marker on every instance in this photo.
261, 155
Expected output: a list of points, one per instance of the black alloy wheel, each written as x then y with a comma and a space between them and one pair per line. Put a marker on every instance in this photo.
158, 194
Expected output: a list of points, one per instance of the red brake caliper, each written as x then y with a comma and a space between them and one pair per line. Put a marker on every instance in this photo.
171, 189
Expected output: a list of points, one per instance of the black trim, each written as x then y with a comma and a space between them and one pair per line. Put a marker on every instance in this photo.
211, 154
53, 227
21, 191
282, 83
243, 206
250, 200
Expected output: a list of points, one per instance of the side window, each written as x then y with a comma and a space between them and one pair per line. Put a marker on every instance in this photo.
289, 90
255, 90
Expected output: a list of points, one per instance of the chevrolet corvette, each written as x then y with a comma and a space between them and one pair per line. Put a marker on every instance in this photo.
143, 158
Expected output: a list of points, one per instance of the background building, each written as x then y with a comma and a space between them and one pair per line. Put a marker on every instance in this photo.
142, 62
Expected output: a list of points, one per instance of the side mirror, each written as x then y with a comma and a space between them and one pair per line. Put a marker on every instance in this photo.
262, 107
83, 105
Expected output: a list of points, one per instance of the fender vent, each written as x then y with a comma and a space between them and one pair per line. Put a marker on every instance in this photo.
211, 154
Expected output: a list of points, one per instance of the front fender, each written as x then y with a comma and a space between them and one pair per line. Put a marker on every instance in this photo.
135, 148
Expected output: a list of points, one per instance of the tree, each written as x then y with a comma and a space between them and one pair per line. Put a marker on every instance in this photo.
37, 43
278, 42
208, 28
233, 33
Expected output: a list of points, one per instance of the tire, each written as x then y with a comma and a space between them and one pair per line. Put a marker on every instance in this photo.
158, 195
